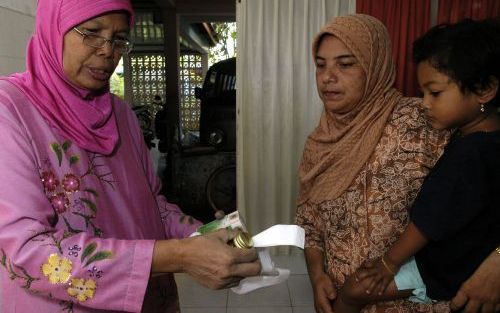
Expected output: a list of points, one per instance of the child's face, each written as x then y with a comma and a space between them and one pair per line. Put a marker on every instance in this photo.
445, 104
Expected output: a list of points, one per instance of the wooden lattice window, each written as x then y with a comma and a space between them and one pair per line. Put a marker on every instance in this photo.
147, 78
191, 76
146, 30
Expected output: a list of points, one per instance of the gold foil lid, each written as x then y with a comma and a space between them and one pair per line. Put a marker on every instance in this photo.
243, 240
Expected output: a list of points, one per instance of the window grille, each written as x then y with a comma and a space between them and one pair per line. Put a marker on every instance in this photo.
145, 30
147, 79
146, 68
191, 76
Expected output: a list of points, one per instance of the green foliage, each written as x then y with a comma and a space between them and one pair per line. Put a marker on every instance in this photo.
226, 48
117, 85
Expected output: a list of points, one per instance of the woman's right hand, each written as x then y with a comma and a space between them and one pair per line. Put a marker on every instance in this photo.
322, 284
324, 292
207, 258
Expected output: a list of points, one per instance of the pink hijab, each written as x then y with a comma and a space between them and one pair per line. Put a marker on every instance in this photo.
82, 116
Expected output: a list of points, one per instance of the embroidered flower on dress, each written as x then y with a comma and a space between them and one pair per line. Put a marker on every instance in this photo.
82, 289
49, 180
95, 272
78, 205
71, 183
73, 251
59, 202
57, 269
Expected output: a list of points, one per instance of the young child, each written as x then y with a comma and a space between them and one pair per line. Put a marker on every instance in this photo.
455, 219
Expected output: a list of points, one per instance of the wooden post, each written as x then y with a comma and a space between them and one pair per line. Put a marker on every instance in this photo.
172, 54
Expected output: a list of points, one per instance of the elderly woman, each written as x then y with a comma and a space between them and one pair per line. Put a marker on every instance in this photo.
363, 165
83, 227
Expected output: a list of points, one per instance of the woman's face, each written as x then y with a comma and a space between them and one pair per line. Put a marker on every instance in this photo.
88, 67
339, 76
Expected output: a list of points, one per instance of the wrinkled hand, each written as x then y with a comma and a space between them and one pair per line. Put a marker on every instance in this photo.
208, 259
374, 276
324, 293
217, 265
481, 292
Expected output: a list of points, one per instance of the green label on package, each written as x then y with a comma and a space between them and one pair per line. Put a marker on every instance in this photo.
232, 220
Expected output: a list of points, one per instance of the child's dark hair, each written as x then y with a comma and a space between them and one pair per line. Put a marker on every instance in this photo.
468, 52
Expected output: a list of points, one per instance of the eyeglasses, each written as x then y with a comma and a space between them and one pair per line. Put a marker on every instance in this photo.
121, 46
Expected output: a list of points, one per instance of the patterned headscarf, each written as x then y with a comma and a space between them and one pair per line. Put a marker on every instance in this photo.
338, 148
82, 116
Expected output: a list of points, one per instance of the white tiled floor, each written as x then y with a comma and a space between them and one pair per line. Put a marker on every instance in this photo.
292, 296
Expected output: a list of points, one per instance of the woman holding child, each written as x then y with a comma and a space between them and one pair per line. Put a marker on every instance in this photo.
364, 164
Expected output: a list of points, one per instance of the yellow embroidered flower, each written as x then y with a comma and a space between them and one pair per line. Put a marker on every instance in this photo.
82, 289
57, 269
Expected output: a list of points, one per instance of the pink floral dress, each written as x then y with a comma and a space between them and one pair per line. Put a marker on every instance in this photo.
77, 229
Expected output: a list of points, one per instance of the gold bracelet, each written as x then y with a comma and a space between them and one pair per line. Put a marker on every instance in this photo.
498, 249
387, 266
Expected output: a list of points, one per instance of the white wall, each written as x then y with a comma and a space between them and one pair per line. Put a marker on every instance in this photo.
17, 20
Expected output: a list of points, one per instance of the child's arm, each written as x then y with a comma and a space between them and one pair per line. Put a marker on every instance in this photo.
410, 242
377, 274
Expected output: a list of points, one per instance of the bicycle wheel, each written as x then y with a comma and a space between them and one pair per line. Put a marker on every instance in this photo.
221, 189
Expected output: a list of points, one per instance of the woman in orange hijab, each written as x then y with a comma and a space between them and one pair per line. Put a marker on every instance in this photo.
364, 163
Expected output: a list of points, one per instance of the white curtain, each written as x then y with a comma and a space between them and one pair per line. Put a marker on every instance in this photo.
277, 102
